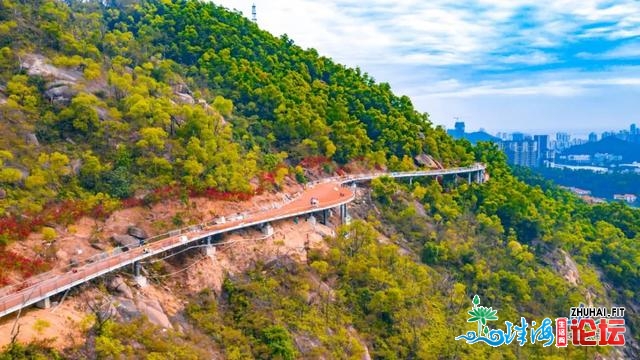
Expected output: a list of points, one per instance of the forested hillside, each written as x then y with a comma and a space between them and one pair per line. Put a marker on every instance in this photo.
109, 104
102, 101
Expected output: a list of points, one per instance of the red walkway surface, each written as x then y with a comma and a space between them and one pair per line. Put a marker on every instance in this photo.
329, 192
329, 195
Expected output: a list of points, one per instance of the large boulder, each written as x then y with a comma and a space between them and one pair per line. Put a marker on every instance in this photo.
155, 314
126, 241
426, 161
137, 232
118, 285
184, 98
127, 309
32, 139
60, 92
37, 65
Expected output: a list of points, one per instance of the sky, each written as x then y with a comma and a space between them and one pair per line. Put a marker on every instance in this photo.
501, 65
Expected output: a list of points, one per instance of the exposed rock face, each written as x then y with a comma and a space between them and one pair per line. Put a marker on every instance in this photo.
32, 139
426, 160
117, 284
564, 265
137, 232
155, 314
36, 65
125, 241
60, 92
184, 98
75, 164
127, 309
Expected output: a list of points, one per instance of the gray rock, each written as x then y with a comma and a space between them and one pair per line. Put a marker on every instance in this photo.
127, 241
117, 284
127, 309
137, 232
155, 314
75, 164
184, 98
103, 114
61, 94
36, 65
32, 139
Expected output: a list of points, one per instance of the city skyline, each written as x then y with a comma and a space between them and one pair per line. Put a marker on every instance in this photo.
565, 66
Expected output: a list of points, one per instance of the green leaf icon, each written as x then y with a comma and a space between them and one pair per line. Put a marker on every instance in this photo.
476, 300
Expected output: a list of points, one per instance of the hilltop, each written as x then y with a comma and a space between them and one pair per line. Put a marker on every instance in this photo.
160, 114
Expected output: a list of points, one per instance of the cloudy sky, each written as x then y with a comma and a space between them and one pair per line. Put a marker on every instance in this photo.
496, 64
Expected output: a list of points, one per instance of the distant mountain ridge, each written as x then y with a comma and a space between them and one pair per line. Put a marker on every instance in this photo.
611, 145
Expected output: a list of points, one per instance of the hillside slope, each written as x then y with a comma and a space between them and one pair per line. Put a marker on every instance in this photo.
120, 104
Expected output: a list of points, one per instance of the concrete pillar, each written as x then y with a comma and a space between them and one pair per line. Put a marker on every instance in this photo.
469, 178
344, 214
324, 217
44, 303
140, 281
136, 268
410, 181
312, 219
137, 274
210, 251
267, 229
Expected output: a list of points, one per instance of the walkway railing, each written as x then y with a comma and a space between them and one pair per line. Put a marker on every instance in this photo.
41, 286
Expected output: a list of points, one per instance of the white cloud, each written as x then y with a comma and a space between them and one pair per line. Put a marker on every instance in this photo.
467, 50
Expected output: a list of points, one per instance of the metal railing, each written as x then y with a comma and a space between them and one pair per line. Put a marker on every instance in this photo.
49, 283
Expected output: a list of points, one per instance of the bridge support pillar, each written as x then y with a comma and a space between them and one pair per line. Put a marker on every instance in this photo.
410, 181
324, 216
209, 249
44, 303
469, 182
137, 274
312, 219
344, 214
267, 229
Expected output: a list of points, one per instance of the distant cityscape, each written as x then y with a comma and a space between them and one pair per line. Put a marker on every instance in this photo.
607, 152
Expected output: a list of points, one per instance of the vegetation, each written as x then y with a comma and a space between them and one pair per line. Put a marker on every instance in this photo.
600, 185
179, 97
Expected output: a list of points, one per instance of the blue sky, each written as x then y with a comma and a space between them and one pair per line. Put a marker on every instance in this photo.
531, 65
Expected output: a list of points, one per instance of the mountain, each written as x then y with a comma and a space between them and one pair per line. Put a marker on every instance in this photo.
473, 137
162, 114
629, 151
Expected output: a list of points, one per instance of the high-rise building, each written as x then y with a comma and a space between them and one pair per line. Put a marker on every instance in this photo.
543, 148
459, 128
593, 137
562, 140
633, 129
517, 136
